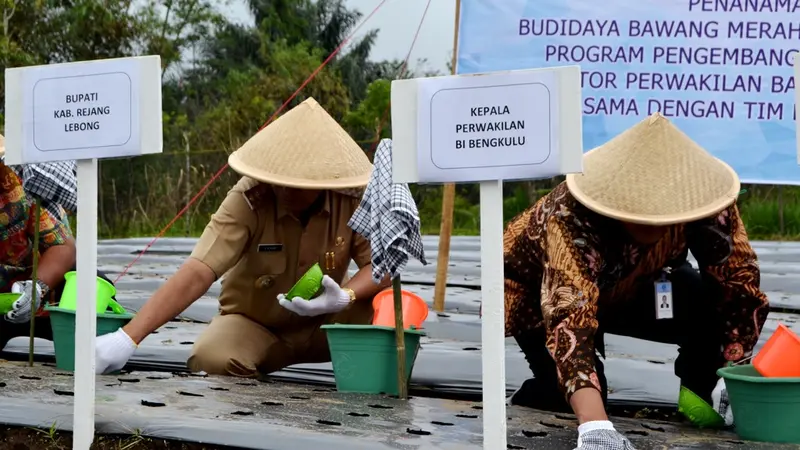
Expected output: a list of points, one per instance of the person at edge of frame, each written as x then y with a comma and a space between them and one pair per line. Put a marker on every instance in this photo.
56, 245
302, 179
598, 254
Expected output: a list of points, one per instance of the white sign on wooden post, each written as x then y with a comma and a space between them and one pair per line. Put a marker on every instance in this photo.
488, 128
84, 111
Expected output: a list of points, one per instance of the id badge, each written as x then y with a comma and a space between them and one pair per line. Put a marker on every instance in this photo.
663, 300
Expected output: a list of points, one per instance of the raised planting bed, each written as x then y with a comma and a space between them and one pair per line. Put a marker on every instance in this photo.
220, 412
17, 438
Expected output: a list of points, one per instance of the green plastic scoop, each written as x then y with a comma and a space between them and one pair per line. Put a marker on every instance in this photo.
308, 286
7, 301
698, 411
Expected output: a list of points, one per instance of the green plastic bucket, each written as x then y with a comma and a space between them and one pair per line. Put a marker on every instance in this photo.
698, 411
364, 357
764, 409
308, 286
62, 321
7, 301
105, 292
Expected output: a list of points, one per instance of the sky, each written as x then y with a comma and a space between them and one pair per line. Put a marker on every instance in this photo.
397, 22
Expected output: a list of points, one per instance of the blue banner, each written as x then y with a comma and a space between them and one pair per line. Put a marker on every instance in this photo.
721, 70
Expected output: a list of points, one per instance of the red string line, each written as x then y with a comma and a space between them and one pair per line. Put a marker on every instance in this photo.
274, 116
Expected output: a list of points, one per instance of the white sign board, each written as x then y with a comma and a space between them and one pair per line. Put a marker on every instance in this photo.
501, 126
87, 110
488, 128
84, 111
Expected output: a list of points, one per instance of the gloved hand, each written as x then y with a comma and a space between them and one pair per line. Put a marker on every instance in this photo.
601, 435
112, 351
721, 404
21, 309
332, 300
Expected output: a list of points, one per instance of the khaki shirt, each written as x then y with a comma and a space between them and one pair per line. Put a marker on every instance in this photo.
262, 250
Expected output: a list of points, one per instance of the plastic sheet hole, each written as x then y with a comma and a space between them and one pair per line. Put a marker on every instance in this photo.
654, 428
26, 377
534, 434
153, 404
128, 380
187, 343
552, 425
471, 349
190, 394
418, 432
735, 442
443, 315
158, 378
2, 385
272, 403
467, 416
376, 406
442, 424
242, 413
478, 407
637, 433
653, 361
64, 374
171, 327
329, 422
514, 447
219, 389
355, 414
299, 397
61, 392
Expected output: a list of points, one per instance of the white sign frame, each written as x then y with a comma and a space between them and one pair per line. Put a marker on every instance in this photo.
567, 157
142, 75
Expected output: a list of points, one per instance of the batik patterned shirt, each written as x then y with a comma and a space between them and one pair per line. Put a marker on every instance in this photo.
562, 261
17, 220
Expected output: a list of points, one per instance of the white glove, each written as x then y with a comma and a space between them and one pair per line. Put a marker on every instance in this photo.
601, 435
721, 404
112, 351
21, 309
332, 300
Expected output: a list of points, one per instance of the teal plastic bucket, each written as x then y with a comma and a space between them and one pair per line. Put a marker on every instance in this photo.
105, 292
62, 322
764, 409
364, 357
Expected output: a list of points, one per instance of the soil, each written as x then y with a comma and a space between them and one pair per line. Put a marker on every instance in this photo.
15, 438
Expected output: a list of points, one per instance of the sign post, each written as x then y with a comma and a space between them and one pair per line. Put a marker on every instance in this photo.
84, 111
488, 128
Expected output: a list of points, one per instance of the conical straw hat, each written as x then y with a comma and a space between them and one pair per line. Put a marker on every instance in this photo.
306, 149
654, 174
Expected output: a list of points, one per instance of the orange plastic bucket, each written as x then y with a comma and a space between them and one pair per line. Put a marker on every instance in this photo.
780, 356
415, 310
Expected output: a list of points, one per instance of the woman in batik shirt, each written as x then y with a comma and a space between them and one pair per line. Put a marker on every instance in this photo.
606, 251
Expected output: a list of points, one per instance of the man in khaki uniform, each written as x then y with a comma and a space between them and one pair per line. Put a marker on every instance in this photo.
302, 180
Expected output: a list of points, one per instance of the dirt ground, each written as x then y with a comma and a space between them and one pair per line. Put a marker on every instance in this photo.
13, 438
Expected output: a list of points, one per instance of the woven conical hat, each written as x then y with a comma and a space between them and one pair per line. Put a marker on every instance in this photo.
654, 174
305, 148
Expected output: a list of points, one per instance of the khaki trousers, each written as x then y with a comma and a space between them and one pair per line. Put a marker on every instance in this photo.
237, 346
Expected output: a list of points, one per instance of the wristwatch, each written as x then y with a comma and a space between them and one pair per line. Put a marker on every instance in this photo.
350, 293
